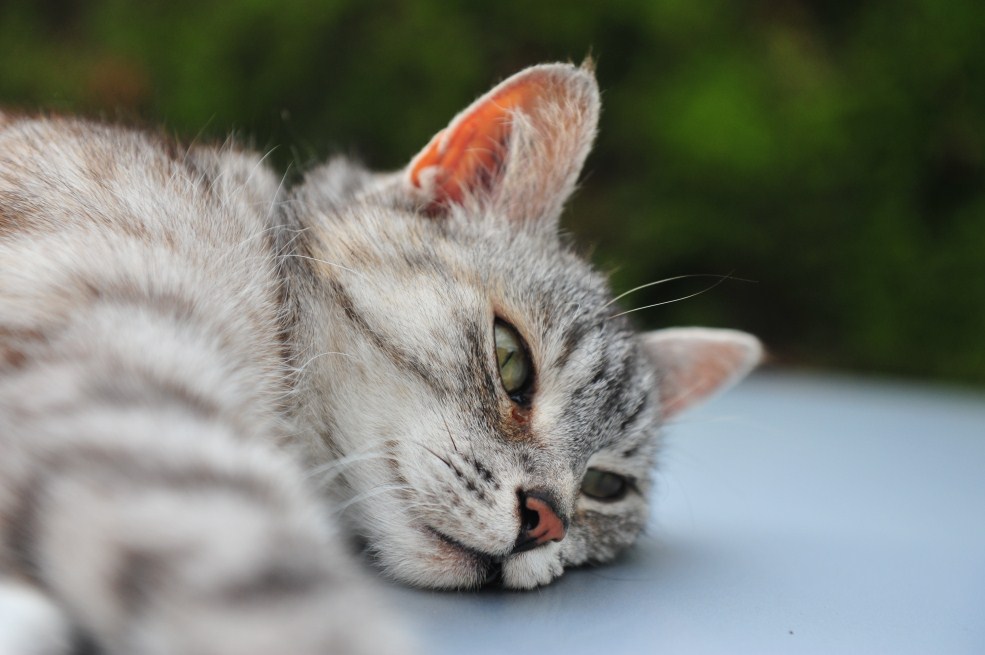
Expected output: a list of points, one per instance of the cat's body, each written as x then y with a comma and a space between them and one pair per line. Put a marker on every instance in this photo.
205, 377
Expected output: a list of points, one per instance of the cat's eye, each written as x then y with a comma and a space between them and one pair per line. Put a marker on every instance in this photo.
515, 370
604, 485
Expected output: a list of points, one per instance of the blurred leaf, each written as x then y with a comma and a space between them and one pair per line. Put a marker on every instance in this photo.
832, 151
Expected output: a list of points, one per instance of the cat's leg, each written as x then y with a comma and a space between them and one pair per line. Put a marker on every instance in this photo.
30, 621
186, 540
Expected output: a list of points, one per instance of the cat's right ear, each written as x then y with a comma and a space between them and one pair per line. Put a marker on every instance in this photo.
516, 151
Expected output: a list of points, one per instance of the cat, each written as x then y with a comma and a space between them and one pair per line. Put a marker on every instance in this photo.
209, 382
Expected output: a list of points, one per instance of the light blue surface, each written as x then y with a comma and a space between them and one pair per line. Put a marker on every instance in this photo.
795, 514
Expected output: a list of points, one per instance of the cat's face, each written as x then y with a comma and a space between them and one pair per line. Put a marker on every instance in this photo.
488, 414
452, 439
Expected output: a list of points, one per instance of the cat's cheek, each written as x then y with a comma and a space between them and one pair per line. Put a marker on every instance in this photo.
574, 551
534, 568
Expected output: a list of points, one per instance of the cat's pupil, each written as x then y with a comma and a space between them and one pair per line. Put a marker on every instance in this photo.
515, 371
604, 485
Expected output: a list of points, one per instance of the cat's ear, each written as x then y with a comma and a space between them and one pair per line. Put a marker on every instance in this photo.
693, 364
516, 151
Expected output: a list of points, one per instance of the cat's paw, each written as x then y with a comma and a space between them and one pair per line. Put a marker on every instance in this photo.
30, 623
533, 568
349, 621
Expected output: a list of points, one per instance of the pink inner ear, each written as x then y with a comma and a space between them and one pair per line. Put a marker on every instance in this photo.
694, 363
468, 155
709, 368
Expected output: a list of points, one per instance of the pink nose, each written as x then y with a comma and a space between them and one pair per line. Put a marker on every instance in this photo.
539, 522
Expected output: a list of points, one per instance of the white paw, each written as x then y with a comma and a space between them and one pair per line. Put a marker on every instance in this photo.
30, 624
533, 568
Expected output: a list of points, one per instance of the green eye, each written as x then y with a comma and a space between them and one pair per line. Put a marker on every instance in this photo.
514, 364
603, 485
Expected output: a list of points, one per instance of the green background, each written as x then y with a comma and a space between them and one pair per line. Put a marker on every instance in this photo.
833, 152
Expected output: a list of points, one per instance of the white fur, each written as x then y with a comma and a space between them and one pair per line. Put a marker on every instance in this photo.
206, 378
30, 624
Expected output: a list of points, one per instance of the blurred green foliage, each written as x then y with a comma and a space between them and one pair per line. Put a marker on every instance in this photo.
832, 151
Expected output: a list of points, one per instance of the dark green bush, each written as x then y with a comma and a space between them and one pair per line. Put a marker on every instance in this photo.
832, 151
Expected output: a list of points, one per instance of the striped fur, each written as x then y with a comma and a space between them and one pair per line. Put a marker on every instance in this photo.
205, 377
145, 488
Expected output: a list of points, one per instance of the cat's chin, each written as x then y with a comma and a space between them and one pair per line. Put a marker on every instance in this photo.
482, 567
437, 561
441, 562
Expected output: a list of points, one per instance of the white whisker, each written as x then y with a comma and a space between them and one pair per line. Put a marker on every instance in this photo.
367, 495
300, 369
331, 470
673, 279
327, 263
667, 302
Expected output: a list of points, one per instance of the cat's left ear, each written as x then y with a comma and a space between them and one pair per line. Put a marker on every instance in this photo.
516, 151
693, 364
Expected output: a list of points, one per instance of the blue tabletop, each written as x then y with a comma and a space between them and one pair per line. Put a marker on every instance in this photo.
795, 514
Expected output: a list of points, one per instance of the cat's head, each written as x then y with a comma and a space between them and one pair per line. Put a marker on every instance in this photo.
476, 404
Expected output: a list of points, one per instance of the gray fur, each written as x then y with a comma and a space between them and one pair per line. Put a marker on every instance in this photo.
204, 376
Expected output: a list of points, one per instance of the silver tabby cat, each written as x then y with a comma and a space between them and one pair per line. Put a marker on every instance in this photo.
208, 380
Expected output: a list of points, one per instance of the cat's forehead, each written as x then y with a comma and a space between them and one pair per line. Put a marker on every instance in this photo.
527, 271
593, 384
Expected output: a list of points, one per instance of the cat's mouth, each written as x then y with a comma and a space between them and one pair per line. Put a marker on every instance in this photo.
488, 565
